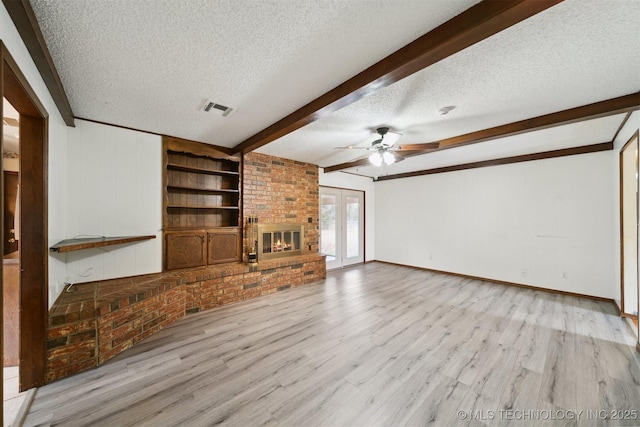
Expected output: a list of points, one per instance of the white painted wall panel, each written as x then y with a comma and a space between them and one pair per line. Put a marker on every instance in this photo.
545, 223
115, 189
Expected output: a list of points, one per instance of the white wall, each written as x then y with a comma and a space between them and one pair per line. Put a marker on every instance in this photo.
356, 182
547, 223
57, 148
114, 189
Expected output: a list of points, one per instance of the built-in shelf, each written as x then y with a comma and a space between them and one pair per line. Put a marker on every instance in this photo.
204, 190
176, 167
201, 205
95, 242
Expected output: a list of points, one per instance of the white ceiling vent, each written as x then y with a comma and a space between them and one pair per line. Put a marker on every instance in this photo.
212, 107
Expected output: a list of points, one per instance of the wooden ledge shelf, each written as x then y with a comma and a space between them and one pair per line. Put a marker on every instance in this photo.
183, 168
202, 207
95, 242
203, 189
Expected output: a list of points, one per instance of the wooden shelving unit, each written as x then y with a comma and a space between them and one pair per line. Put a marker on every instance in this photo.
202, 205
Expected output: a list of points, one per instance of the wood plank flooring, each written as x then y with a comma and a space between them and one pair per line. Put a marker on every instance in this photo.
373, 345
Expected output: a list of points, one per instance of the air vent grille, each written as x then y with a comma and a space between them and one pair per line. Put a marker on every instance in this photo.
217, 108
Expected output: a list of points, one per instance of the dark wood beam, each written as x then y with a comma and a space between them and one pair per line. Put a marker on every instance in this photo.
26, 23
473, 25
610, 107
605, 146
596, 110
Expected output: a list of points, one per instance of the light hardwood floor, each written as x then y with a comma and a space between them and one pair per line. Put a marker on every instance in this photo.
373, 345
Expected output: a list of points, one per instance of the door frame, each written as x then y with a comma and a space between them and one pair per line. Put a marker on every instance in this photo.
341, 193
634, 138
33, 248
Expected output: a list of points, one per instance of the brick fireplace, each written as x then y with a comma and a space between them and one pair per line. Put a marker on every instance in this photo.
279, 240
101, 319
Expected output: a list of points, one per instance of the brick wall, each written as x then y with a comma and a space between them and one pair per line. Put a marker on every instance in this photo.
99, 320
278, 191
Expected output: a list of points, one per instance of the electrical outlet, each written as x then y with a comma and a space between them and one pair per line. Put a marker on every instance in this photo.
565, 275
523, 273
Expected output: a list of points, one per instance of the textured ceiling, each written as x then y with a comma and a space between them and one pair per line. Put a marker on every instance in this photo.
572, 54
151, 64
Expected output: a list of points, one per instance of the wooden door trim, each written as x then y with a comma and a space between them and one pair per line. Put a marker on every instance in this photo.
26, 23
2, 213
635, 136
34, 211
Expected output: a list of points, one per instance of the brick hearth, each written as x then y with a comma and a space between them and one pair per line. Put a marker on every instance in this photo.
99, 320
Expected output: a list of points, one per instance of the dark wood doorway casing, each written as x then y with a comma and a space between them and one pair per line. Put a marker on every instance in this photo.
629, 195
33, 215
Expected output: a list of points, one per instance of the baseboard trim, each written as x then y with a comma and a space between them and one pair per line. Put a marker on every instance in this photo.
21, 416
615, 302
502, 282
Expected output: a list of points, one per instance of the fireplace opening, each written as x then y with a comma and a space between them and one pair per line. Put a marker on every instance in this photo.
279, 240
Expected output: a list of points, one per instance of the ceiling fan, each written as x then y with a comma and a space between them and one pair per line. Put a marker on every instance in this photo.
383, 150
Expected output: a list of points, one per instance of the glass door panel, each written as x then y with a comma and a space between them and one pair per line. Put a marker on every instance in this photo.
352, 205
329, 222
342, 226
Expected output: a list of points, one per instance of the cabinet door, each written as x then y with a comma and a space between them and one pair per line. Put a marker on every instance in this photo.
185, 249
223, 246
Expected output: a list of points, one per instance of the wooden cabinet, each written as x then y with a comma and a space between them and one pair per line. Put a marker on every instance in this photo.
223, 245
202, 205
185, 249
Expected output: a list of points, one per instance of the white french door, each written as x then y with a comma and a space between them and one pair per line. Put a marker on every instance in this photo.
341, 226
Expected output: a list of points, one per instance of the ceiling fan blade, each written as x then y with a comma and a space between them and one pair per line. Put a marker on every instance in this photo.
418, 147
351, 147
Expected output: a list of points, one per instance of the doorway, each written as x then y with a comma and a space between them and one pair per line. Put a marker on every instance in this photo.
30, 225
341, 226
629, 228
11, 254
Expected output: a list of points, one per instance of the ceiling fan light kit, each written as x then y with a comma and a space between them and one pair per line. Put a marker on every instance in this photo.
376, 158
383, 149
388, 158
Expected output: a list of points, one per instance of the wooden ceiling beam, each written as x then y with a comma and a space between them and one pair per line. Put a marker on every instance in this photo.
595, 148
596, 110
471, 26
24, 19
